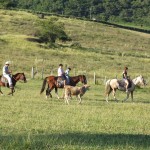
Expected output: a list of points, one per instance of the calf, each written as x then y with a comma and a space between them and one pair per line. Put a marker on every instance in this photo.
76, 91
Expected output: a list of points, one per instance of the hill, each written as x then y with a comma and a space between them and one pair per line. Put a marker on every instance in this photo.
99, 48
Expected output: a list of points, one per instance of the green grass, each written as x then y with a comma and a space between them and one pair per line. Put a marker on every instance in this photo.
29, 121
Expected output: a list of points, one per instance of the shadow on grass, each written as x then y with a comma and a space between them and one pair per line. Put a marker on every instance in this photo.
41, 140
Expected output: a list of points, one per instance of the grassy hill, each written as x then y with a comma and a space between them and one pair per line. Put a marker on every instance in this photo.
28, 121
104, 49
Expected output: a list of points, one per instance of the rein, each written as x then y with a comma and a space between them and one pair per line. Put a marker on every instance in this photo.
14, 78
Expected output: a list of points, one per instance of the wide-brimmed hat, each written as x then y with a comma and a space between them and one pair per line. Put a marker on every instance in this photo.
7, 62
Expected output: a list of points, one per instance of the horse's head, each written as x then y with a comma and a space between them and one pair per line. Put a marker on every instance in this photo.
20, 76
83, 79
141, 80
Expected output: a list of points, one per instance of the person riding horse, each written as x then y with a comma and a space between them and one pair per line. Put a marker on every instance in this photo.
67, 81
7, 74
61, 74
125, 78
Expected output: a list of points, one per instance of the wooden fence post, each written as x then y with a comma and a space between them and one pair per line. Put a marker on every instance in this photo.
94, 78
105, 80
32, 73
42, 72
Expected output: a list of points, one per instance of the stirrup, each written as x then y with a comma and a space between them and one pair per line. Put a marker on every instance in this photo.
127, 90
11, 87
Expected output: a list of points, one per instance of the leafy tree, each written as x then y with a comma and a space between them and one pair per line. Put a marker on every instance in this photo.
51, 30
8, 3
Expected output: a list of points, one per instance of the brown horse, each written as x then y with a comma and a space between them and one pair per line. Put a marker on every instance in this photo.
15, 78
52, 83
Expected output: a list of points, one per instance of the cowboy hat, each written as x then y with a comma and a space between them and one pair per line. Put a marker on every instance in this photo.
7, 62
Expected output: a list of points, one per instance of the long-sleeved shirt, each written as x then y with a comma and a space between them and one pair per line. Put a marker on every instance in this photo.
60, 71
5, 70
67, 72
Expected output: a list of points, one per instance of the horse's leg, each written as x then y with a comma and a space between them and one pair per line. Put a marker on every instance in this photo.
0, 88
114, 94
126, 97
79, 97
107, 95
1, 91
132, 96
48, 92
56, 92
67, 100
12, 91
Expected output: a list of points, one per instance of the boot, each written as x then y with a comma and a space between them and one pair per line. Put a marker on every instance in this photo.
11, 86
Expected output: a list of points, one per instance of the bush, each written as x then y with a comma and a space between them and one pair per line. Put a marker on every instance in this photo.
50, 30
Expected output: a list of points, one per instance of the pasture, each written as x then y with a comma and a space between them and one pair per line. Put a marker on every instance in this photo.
29, 121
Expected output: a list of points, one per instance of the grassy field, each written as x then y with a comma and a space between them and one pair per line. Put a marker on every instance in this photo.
29, 121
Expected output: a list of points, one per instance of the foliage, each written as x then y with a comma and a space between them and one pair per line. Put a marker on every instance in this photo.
50, 30
106, 10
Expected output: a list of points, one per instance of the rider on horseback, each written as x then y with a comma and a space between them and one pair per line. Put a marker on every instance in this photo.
7, 73
61, 73
67, 76
125, 77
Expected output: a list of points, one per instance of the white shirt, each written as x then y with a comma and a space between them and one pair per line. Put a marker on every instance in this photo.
5, 70
67, 72
60, 71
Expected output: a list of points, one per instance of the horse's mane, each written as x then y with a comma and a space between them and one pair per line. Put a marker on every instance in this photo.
77, 76
15, 75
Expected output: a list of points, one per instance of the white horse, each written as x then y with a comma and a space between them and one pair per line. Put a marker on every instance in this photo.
113, 84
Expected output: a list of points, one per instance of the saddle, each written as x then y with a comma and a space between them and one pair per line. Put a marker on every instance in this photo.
60, 82
123, 84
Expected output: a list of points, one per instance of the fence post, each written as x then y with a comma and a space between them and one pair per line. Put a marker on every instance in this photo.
32, 73
94, 78
42, 72
105, 80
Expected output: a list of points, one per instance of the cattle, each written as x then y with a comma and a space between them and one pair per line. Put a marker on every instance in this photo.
70, 91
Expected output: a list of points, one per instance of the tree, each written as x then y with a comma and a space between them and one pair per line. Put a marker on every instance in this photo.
8, 3
50, 30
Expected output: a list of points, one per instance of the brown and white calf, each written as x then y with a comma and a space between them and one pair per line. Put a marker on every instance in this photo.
70, 91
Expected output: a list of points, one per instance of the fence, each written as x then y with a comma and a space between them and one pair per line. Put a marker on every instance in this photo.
91, 77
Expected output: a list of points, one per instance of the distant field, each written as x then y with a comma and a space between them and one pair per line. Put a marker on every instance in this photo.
29, 121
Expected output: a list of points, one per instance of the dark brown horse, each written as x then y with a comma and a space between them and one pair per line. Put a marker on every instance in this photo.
52, 83
15, 78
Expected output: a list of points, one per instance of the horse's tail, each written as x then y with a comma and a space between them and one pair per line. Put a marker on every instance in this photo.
107, 87
43, 85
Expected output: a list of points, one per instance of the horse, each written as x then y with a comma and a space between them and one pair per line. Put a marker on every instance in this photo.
113, 84
16, 77
52, 83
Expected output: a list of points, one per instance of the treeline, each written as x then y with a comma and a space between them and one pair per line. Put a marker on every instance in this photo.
137, 11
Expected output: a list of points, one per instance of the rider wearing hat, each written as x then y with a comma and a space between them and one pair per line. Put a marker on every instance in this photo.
7, 73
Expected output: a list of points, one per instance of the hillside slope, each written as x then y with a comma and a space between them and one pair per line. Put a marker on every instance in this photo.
102, 49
